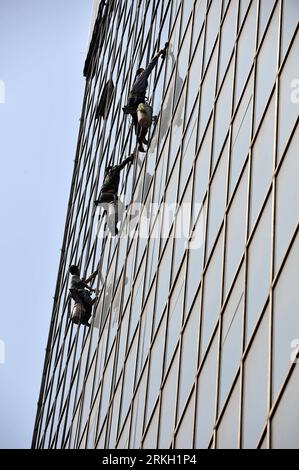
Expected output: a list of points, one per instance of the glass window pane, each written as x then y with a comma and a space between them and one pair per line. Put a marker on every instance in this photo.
212, 294
163, 283
262, 163
231, 339
255, 399
194, 78
223, 115
145, 332
188, 151
115, 416
167, 414
228, 430
189, 354
259, 269
150, 440
287, 200
264, 14
288, 105
156, 365
235, 238
207, 95
241, 135
184, 436
206, 396
286, 318
212, 28
217, 199
199, 16
228, 37
128, 382
266, 68
201, 176
290, 14
286, 418
174, 317
138, 413
183, 61
195, 259
246, 50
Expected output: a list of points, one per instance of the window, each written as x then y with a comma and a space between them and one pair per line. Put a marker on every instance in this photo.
167, 414
287, 201
285, 319
138, 413
206, 396
231, 338
189, 354
287, 106
241, 135
194, 79
128, 382
255, 398
217, 199
228, 37
236, 230
262, 163
289, 24
199, 16
223, 114
211, 295
212, 28
266, 68
155, 371
184, 436
183, 61
285, 421
207, 95
195, 259
227, 433
258, 277
246, 50
174, 320
163, 282
264, 15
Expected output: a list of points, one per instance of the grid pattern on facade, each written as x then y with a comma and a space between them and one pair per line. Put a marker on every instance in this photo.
190, 344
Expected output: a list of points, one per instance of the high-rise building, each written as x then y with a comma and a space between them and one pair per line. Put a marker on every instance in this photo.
195, 331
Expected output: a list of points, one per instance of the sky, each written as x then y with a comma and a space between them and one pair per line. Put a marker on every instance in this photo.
43, 47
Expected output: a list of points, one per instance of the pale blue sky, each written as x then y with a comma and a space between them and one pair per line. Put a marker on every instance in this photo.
42, 51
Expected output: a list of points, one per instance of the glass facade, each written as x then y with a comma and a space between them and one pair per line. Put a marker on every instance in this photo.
193, 335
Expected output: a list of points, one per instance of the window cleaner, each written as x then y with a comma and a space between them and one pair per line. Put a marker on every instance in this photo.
137, 97
81, 293
109, 194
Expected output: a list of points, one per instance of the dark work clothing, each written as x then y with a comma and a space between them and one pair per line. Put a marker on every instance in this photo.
112, 177
141, 83
83, 294
107, 197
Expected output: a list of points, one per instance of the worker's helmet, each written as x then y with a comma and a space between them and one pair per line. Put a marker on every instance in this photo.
74, 269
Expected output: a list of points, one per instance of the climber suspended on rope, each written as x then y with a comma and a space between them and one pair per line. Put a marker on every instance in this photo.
81, 293
137, 107
109, 193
